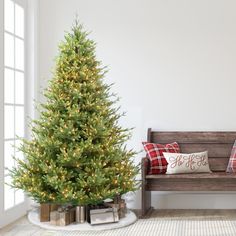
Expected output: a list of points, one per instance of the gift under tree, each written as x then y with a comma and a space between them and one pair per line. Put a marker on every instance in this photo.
77, 152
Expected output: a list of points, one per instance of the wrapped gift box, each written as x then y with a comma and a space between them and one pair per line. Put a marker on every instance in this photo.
102, 216
45, 209
72, 214
54, 217
44, 212
64, 218
80, 214
121, 206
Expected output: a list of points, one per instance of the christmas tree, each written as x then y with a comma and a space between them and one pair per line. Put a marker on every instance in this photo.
77, 152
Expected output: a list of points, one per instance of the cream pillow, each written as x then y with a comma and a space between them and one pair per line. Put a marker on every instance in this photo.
187, 163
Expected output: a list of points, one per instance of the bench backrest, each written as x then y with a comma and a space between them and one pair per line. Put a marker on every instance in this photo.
218, 144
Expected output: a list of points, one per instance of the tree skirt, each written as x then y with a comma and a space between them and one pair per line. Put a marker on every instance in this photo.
129, 219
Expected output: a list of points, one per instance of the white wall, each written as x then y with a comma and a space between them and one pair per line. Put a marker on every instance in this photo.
173, 64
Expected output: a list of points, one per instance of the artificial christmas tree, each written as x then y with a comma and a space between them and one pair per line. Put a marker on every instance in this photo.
77, 154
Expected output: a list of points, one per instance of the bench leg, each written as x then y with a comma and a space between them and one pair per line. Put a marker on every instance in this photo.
146, 203
146, 195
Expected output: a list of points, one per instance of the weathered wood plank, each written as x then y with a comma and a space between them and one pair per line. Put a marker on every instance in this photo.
180, 177
218, 164
214, 149
193, 137
197, 184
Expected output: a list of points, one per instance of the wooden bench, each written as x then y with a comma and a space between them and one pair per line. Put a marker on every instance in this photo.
218, 145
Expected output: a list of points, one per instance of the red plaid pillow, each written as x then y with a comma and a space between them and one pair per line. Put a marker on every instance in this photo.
158, 163
231, 168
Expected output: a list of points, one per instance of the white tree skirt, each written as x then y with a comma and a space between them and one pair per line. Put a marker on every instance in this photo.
129, 219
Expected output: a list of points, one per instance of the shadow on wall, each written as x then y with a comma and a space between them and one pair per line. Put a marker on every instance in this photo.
197, 200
